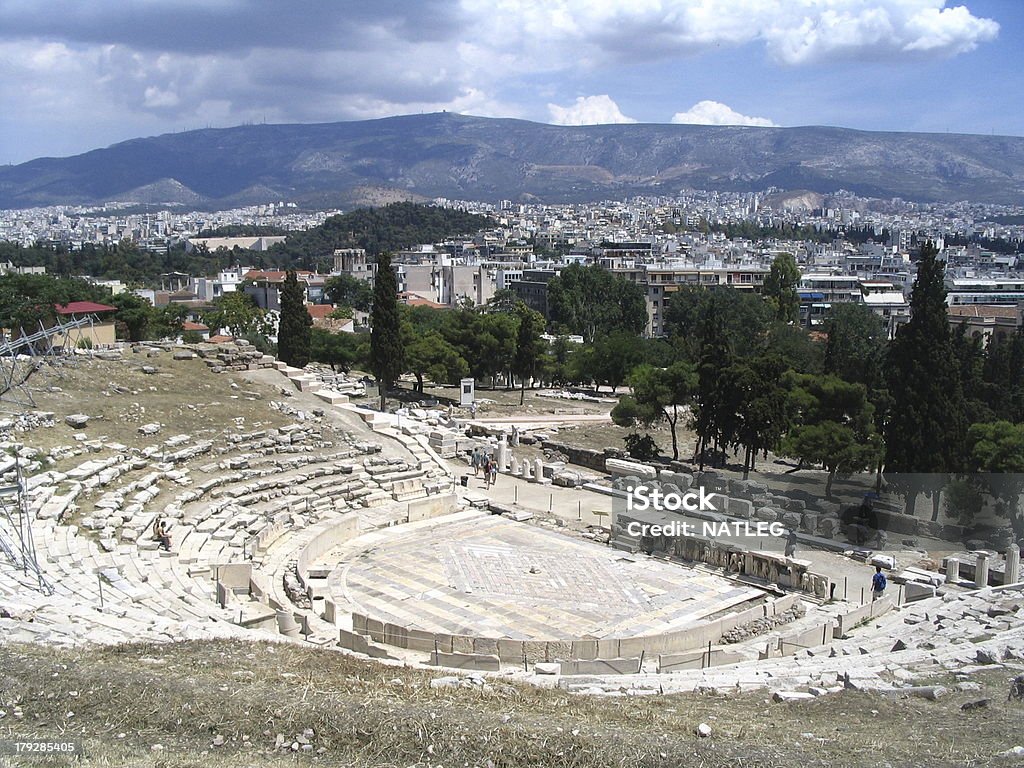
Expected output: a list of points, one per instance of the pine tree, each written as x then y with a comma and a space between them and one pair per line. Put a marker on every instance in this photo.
293, 331
926, 428
387, 353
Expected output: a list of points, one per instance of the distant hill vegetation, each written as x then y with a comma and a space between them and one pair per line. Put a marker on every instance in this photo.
420, 157
399, 225
395, 226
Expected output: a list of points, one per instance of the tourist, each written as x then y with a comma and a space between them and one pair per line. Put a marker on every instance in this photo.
494, 471
475, 462
487, 471
791, 544
877, 584
162, 533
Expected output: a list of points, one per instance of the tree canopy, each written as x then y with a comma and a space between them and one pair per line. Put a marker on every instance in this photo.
591, 301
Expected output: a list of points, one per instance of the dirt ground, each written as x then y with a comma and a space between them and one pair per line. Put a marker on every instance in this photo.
183, 396
229, 704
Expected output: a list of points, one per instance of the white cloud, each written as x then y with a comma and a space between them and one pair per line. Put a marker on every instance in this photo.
543, 34
717, 113
589, 110
161, 66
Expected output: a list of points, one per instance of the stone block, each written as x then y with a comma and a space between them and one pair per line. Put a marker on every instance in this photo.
913, 591
740, 508
600, 667
584, 649
622, 468
479, 662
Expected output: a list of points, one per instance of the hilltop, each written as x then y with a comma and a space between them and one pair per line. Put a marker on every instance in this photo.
419, 157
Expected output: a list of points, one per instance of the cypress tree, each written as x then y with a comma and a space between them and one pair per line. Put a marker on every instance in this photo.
780, 288
293, 332
926, 430
387, 353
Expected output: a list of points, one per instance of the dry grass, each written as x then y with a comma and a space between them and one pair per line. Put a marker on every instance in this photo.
126, 699
183, 396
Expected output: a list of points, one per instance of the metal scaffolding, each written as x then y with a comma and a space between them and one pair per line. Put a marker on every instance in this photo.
16, 540
26, 353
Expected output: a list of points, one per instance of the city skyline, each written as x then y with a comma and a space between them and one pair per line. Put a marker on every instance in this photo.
82, 77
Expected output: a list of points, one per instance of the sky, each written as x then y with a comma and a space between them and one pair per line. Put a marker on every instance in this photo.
80, 75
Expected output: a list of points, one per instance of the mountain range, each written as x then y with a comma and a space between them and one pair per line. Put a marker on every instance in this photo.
475, 158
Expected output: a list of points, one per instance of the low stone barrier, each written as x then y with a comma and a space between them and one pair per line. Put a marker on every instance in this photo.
478, 662
512, 651
813, 637
847, 621
714, 657
432, 506
600, 666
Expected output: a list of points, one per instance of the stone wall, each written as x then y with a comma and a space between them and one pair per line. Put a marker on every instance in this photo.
599, 650
582, 457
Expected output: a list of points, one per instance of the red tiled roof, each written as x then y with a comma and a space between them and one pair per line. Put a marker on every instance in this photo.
412, 300
982, 310
188, 325
220, 339
319, 311
83, 308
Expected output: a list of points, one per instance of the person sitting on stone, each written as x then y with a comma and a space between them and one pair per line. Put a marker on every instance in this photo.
162, 533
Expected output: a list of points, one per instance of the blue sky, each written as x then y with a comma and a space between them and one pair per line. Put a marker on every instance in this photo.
76, 76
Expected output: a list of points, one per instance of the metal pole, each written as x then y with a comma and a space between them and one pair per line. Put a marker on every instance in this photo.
551, 501
515, 494
99, 580
845, 579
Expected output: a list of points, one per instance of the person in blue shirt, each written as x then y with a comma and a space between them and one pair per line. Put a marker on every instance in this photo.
878, 584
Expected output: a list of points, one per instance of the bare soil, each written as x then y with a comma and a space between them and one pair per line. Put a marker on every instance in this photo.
121, 702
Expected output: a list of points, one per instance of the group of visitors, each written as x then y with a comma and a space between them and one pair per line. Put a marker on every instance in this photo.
481, 460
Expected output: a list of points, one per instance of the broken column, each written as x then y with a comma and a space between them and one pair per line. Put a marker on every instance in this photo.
1012, 573
952, 570
538, 471
981, 571
502, 455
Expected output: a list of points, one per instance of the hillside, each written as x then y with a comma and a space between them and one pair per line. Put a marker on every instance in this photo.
224, 704
456, 156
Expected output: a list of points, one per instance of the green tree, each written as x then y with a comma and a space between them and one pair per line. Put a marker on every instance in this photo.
925, 430
997, 449
833, 426
743, 320
1003, 377
295, 323
591, 301
780, 288
712, 414
530, 346
341, 351
238, 314
133, 313
658, 393
614, 358
428, 355
348, 291
856, 346
756, 402
27, 300
165, 322
387, 353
